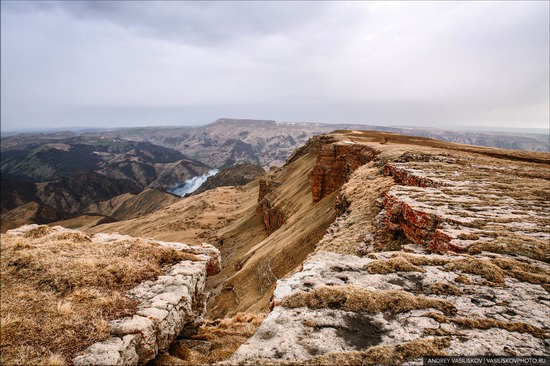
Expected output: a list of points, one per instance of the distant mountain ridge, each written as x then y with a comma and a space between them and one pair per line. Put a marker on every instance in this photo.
68, 172
268, 142
230, 141
237, 138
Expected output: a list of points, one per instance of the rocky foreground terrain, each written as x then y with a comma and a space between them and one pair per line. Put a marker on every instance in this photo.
452, 259
370, 248
104, 299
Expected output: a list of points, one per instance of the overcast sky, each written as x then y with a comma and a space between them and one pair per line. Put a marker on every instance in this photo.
110, 64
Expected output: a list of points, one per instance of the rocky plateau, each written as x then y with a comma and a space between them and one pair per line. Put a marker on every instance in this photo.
453, 260
369, 247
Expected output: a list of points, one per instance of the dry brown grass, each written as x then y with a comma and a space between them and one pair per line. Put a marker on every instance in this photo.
533, 248
37, 232
60, 290
462, 279
488, 323
424, 260
441, 288
352, 298
222, 338
522, 271
262, 260
494, 270
481, 267
363, 189
379, 355
387, 355
392, 265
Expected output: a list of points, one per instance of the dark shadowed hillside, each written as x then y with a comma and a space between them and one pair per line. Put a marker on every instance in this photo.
73, 172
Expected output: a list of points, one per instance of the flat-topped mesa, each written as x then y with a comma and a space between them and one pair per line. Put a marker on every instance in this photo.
247, 122
335, 164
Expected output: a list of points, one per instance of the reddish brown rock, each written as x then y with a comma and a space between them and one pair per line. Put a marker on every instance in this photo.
266, 186
440, 242
272, 217
417, 225
335, 164
341, 205
407, 177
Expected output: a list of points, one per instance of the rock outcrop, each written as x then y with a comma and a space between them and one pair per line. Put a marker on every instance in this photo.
335, 164
349, 306
175, 301
457, 205
453, 244
272, 216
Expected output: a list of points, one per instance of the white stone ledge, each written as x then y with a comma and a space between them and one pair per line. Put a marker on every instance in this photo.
167, 306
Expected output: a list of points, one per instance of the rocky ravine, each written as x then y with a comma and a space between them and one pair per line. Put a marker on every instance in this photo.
451, 260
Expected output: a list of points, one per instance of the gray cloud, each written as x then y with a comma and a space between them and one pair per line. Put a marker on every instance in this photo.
125, 63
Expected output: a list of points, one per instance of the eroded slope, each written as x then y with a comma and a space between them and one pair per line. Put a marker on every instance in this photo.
486, 209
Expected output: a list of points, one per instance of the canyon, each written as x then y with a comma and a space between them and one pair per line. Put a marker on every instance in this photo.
364, 247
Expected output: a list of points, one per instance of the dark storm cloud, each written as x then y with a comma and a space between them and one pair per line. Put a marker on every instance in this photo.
199, 23
417, 63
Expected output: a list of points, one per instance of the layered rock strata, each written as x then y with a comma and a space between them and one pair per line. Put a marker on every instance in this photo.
272, 217
460, 206
488, 212
335, 164
175, 301
346, 307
